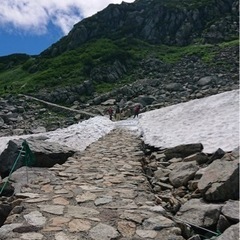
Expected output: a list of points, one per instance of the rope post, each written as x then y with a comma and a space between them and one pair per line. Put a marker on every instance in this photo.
28, 158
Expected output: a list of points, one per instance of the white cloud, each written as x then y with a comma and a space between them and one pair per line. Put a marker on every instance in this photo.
35, 15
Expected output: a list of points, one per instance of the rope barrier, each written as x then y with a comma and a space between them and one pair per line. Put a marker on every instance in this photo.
193, 225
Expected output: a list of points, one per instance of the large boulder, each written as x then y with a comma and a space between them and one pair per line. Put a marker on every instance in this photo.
183, 151
182, 173
174, 87
46, 154
200, 213
232, 233
220, 181
209, 80
200, 158
146, 100
231, 210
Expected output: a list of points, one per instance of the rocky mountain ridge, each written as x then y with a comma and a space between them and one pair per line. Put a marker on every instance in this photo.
157, 22
75, 76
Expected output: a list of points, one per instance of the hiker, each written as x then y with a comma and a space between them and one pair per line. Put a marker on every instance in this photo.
118, 113
110, 113
136, 110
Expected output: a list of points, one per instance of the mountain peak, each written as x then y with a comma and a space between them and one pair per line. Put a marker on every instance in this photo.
156, 22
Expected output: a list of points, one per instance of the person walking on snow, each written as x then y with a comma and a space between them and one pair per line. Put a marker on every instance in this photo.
136, 111
110, 113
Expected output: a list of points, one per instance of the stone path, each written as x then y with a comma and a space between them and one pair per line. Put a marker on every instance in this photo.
100, 194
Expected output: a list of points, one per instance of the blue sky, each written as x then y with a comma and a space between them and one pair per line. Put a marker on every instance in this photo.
32, 44
30, 26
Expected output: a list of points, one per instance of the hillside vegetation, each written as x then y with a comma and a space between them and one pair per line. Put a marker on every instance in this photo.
111, 57
74, 67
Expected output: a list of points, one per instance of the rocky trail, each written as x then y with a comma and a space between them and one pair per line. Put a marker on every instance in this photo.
99, 194
120, 188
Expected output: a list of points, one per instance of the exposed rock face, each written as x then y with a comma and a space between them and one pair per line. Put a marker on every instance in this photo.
143, 20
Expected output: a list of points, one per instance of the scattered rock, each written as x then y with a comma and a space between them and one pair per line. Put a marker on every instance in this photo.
231, 233
200, 213
182, 173
231, 210
103, 232
220, 181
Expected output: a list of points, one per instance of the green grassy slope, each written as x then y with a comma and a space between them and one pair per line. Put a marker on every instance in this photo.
32, 73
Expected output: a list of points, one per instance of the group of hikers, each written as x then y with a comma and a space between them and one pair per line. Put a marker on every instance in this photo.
120, 113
